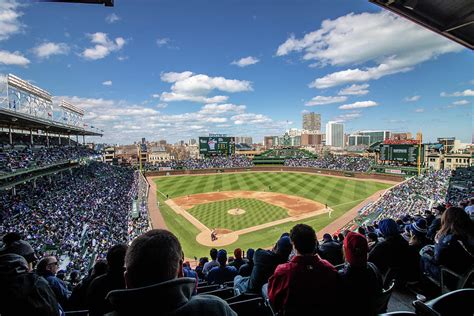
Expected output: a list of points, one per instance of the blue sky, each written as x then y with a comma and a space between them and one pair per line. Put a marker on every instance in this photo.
181, 69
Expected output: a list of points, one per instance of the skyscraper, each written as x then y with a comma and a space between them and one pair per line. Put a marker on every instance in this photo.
335, 134
312, 121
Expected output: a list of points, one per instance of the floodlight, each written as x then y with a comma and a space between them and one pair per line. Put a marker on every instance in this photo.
107, 3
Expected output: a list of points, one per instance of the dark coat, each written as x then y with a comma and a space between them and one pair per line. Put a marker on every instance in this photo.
59, 288
173, 297
98, 290
246, 269
265, 263
390, 253
455, 252
331, 251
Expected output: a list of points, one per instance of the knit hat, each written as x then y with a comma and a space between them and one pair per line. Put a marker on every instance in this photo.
327, 237
221, 254
355, 249
388, 227
418, 228
284, 244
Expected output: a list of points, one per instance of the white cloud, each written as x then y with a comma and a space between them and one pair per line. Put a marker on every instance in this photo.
250, 118
358, 105
15, 58
419, 110
349, 40
112, 18
413, 98
246, 61
355, 89
162, 41
465, 93
122, 58
320, 100
9, 19
107, 83
217, 109
461, 102
162, 105
49, 48
347, 117
104, 46
188, 86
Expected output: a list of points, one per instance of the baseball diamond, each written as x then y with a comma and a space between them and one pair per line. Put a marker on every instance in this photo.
273, 201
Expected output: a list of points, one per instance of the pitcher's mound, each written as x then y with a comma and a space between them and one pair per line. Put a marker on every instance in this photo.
223, 239
236, 211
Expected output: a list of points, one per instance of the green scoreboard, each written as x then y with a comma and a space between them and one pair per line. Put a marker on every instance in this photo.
400, 152
216, 145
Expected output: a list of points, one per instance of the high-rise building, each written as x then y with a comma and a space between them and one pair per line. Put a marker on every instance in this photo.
243, 140
375, 136
312, 121
335, 134
268, 142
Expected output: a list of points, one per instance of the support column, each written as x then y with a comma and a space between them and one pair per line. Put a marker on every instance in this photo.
31, 137
59, 139
83, 139
47, 139
34, 183
10, 135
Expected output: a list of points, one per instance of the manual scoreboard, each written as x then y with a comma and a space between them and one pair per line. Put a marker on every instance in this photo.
209, 146
401, 153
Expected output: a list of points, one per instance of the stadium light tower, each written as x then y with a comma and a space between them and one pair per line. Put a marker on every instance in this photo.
107, 3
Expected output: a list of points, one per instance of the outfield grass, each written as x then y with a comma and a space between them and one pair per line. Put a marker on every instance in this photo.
215, 214
340, 194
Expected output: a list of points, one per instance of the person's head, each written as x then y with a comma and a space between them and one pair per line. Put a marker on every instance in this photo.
250, 253
11, 237
116, 257
202, 261
303, 238
47, 265
418, 229
222, 257
372, 237
61, 274
334, 237
355, 249
361, 230
238, 254
439, 209
327, 237
213, 253
100, 267
283, 247
340, 236
153, 257
457, 222
74, 276
388, 228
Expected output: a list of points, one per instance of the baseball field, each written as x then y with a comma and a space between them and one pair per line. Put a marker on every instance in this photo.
253, 209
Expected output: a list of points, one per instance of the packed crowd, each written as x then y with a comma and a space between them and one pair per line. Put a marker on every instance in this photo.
25, 157
206, 163
80, 214
346, 163
461, 185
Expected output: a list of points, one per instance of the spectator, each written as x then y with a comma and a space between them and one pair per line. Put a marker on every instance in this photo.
22, 292
238, 261
307, 282
246, 269
223, 273
436, 223
154, 279
330, 250
14, 244
78, 298
372, 239
112, 280
265, 263
416, 235
211, 264
47, 268
392, 251
361, 280
200, 267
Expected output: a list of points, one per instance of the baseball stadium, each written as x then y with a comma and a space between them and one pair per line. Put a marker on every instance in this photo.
147, 167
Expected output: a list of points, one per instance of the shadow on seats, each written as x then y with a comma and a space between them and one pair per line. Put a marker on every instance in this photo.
381, 302
459, 303
253, 306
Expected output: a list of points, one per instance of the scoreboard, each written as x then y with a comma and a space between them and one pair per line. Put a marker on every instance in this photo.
401, 153
209, 146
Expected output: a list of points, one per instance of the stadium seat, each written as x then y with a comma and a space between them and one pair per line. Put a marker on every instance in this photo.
253, 306
223, 293
77, 313
241, 297
208, 288
451, 280
399, 313
459, 303
202, 283
229, 284
382, 301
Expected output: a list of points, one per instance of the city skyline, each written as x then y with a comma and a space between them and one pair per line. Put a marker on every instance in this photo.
138, 71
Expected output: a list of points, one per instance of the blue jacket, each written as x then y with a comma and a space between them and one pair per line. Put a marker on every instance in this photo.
59, 288
455, 252
219, 275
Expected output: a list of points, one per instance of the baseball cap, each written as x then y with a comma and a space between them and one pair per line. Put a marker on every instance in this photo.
355, 249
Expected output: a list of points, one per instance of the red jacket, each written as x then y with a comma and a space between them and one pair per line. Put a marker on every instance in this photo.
306, 282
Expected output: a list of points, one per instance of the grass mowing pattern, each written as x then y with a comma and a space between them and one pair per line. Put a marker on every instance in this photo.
340, 194
214, 214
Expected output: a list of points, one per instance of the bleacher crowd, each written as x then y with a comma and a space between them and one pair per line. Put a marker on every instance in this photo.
206, 163
346, 163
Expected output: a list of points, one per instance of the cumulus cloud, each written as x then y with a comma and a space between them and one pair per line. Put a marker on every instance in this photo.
162, 41
347, 117
15, 58
104, 46
250, 118
112, 18
320, 100
188, 86
246, 61
49, 48
162, 105
9, 19
217, 109
465, 93
355, 89
413, 98
358, 105
419, 110
461, 102
349, 40
107, 83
